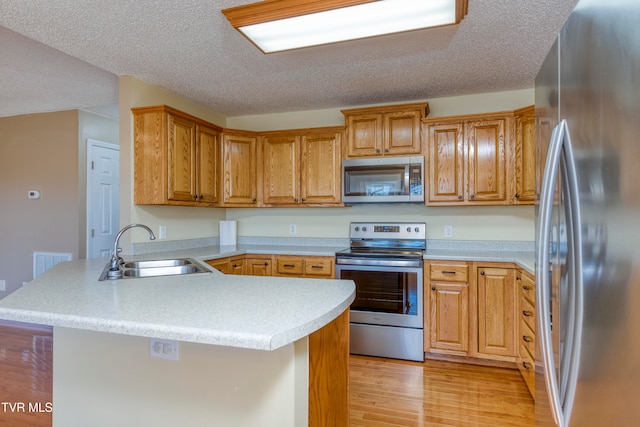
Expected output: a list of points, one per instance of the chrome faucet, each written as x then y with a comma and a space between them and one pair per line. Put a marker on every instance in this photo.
114, 269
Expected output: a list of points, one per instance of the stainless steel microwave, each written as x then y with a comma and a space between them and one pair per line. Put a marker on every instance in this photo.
383, 180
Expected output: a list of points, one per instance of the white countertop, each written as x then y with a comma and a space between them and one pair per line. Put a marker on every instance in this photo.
263, 313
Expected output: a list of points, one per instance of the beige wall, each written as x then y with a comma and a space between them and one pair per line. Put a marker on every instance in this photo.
105, 380
44, 152
37, 152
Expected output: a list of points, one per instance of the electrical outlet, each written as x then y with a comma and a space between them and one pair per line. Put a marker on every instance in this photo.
162, 232
3, 285
448, 231
292, 229
164, 349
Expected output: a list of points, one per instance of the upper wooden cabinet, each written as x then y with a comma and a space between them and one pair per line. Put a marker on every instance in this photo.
239, 168
525, 156
467, 159
384, 131
302, 167
175, 158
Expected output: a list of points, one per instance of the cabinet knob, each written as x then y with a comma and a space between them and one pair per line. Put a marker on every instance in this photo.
386, 150
526, 365
526, 338
482, 273
517, 195
472, 196
253, 200
459, 197
303, 199
527, 313
526, 288
377, 150
266, 264
433, 288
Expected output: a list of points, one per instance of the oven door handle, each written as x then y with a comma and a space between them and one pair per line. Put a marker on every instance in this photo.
410, 263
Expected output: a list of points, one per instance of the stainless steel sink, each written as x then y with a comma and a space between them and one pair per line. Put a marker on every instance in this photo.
155, 268
158, 263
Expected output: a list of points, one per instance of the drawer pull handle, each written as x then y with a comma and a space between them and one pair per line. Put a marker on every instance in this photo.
448, 272
289, 265
526, 288
527, 313
317, 266
526, 365
526, 338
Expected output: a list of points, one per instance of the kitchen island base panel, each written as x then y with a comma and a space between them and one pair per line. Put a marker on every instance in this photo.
104, 379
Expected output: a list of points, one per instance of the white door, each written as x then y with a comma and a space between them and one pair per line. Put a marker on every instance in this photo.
103, 197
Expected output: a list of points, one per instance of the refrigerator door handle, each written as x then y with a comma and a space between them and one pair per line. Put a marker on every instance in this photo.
561, 401
542, 288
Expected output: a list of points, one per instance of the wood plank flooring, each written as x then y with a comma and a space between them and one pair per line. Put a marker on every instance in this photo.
387, 393
26, 366
383, 393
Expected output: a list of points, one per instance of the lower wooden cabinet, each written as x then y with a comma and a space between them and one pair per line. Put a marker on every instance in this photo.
447, 308
305, 266
470, 310
497, 304
322, 267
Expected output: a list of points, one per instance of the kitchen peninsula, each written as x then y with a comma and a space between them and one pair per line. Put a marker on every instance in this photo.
252, 350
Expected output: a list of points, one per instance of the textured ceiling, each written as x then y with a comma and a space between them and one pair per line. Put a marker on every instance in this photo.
62, 54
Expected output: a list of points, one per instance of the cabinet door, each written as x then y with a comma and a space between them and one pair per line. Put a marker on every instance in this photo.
446, 162
182, 174
320, 180
486, 160
364, 135
497, 312
449, 320
257, 266
525, 157
220, 264
402, 133
207, 151
239, 169
236, 265
281, 169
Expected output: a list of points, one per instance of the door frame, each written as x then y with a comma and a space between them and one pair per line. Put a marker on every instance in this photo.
89, 208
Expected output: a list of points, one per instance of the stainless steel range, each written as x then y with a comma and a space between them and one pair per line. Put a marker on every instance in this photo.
385, 262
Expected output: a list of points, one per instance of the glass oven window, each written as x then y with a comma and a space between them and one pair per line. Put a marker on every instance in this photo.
384, 291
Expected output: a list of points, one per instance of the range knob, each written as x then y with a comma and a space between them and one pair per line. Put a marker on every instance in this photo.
364, 228
417, 229
409, 229
357, 228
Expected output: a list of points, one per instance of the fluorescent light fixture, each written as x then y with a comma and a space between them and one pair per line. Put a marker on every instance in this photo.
277, 25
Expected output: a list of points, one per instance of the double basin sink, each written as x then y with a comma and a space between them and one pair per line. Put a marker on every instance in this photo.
156, 268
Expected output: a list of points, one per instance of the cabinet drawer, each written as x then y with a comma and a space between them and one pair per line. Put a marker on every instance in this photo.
449, 272
289, 265
527, 368
319, 267
527, 337
528, 313
527, 287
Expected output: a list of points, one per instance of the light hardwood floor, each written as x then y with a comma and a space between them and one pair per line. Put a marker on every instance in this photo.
383, 393
26, 365
387, 393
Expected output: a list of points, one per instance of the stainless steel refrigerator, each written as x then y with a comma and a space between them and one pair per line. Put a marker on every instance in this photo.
588, 220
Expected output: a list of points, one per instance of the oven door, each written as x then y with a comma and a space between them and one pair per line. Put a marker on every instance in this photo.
390, 296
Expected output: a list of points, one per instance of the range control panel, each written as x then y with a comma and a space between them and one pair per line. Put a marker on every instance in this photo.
392, 230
